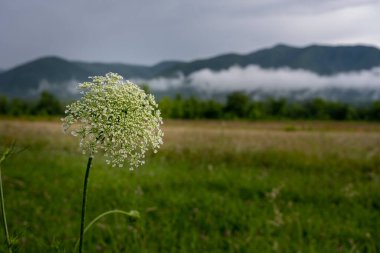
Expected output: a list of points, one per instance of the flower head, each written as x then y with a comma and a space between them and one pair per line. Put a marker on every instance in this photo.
116, 117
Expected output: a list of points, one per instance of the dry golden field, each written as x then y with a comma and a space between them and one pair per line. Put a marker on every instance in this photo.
310, 137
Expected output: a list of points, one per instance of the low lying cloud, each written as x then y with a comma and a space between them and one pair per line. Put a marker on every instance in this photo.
65, 90
254, 77
359, 86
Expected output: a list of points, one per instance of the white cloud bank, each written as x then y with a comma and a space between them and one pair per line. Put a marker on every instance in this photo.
253, 77
284, 82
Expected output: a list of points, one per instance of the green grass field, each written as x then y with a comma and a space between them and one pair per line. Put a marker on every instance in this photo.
213, 187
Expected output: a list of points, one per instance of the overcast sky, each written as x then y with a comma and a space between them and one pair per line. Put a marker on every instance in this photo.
149, 31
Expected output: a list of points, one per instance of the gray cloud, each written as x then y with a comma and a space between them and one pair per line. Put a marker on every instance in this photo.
149, 31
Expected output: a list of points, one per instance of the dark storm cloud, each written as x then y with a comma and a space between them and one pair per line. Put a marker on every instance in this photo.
148, 31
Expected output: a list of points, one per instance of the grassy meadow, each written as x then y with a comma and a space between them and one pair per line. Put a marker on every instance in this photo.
213, 187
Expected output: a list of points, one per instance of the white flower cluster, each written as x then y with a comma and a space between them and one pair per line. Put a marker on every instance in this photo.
116, 117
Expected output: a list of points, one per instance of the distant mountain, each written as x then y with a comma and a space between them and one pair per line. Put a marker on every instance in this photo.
19, 80
127, 70
58, 75
323, 60
28, 79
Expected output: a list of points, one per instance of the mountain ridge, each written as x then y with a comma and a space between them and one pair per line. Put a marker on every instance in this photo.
322, 60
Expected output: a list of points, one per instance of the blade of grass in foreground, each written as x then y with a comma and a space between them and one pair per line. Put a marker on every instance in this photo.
4, 217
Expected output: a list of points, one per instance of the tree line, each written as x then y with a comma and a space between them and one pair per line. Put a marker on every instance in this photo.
47, 104
238, 105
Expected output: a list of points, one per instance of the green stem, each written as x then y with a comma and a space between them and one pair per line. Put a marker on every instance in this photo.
132, 214
84, 198
3, 204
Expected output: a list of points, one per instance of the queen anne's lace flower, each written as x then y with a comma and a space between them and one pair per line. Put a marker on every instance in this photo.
116, 117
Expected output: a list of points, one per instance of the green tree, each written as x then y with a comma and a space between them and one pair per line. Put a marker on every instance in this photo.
275, 108
48, 104
296, 110
374, 111
177, 109
212, 109
317, 109
18, 107
256, 111
4, 106
166, 107
237, 105
339, 111
192, 108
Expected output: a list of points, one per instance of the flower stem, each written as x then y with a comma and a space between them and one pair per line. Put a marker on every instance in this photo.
3, 204
131, 214
84, 197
